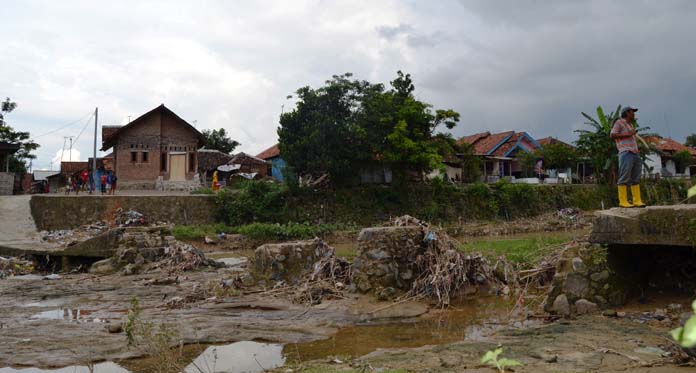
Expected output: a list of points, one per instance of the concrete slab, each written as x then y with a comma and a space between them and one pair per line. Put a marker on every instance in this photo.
655, 225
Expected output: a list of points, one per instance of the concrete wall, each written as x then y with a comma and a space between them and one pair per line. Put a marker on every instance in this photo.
66, 212
6, 183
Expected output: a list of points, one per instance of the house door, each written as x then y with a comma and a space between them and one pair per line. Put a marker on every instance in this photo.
177, 167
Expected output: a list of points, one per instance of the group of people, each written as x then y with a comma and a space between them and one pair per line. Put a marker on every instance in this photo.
85, 181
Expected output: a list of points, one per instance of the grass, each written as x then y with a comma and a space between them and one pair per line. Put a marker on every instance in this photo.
525, 250
264, 231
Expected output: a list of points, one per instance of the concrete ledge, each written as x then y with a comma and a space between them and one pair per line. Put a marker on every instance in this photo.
68, 212
654, 225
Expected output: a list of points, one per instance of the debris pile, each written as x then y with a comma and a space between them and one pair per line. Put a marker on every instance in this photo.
13, 266
70, 237
418, 259
129, 218
150, 248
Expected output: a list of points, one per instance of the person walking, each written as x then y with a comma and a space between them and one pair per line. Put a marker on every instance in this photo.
624, 134
102, 182
111, 179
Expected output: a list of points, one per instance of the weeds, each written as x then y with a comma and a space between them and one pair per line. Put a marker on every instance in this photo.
491, 358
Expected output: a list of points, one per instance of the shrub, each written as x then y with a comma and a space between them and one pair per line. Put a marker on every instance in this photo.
253, 201
203, 191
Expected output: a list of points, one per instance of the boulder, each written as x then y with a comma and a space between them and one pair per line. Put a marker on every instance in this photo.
561, 306
584, 306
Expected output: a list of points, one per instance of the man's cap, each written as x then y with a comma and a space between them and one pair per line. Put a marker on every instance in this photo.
626, 109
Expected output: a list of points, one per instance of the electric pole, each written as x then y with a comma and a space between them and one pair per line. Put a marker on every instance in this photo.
94, 150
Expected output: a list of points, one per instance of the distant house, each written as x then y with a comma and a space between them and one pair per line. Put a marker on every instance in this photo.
662, 163
272, 155
249, 165
209, 160
157, 148
499, 152
7, 179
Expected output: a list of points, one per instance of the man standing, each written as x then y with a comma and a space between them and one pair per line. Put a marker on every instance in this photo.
623, 132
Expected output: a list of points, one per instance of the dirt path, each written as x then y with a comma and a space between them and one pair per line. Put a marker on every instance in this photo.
17, 228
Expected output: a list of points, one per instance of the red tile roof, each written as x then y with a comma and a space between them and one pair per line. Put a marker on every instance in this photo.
484, 142
552, 140
667, 145
272, 152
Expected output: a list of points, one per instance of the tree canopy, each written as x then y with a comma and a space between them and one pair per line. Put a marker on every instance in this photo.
691, 140
348, 124
8, 134
557, 156
219, 140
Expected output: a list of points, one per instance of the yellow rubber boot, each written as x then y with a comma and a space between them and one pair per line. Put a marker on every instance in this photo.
635, 196
623, 197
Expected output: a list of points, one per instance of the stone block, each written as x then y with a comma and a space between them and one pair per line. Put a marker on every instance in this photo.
289, 261
583, 306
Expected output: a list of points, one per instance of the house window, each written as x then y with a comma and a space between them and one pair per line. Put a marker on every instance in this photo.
192, 162
134, 157
163, 162
145, 157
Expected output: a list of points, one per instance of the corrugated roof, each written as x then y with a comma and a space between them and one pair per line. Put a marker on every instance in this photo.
72, 167
272, 152
43, 174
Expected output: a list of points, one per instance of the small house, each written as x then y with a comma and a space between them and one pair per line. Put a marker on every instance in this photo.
499, 152
157, 148
277, 163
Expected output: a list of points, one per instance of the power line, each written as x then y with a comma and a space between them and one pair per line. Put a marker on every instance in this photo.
83, 128
65, 126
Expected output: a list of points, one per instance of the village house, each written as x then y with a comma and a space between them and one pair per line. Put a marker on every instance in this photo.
498, 152
277, 163
662, 163
158, 149
208, 162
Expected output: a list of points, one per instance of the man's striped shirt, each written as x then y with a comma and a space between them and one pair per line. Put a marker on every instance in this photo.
625, 142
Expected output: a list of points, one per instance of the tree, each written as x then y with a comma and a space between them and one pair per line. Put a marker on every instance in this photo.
8, 134
691, 140
528, 161
218, 140
557, 156
682, 160
597, 146
348, 124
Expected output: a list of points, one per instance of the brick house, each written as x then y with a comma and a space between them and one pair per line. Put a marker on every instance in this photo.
157, 147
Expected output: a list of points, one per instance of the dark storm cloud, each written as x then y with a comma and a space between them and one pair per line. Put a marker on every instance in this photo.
523, 65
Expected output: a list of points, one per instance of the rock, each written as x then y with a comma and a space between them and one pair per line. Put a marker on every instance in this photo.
385, 294
578, 265
114, 328
600, 300
104, 266
610, 313
210, 241
289, 261
583, 306
561, 306
576, 286
600, 276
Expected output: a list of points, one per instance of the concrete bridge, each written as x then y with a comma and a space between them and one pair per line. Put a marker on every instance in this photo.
653, 226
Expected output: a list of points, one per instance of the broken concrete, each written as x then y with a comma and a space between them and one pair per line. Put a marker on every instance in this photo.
654, 225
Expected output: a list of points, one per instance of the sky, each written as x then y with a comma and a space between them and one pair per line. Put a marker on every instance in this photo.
520, 65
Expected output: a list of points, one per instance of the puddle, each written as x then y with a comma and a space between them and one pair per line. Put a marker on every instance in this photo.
108, 367
76, 315
239, 357
471, 320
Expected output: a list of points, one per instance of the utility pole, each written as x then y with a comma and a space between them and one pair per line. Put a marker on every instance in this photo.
94, 151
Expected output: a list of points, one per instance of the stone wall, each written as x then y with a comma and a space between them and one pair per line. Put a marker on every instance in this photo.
68, 212
6, 183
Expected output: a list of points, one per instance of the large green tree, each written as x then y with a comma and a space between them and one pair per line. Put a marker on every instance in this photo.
557, 156
348, 124
219, 140
8, 134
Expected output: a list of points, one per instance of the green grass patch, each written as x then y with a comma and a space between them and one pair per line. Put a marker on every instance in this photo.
262, 231
203, 191
525, 251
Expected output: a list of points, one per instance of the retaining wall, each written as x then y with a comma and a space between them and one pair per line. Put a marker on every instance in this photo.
67, 212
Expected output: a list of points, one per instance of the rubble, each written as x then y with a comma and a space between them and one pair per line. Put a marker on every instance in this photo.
143, 249
418, 259
13, 266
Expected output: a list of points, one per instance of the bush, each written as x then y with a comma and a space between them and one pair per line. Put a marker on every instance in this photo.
253, 201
